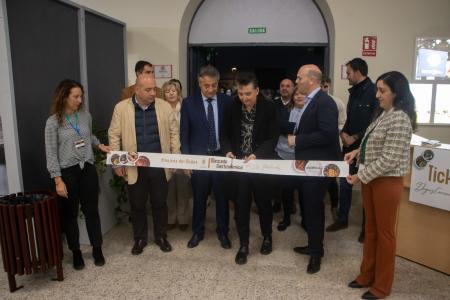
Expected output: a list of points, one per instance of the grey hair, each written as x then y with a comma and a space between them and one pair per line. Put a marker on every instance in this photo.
209, 71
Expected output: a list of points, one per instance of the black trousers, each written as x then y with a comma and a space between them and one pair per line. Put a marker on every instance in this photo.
82, 188
288, 186
333, 191
313, 192
153, 182
259, 186
203, 182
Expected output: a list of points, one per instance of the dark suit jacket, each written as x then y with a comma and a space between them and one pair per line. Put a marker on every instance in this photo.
286, 127
194, 124
317, 137
265, 130
361, 107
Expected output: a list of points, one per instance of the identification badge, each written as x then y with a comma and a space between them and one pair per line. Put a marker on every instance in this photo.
80, 143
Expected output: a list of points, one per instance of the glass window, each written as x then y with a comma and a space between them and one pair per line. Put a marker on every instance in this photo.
422, 95
431, 80
442, 107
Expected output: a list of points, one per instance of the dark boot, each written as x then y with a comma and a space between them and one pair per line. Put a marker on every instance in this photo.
97, 254
78, 262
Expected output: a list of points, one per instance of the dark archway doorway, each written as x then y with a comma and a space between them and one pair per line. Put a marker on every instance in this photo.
270, 63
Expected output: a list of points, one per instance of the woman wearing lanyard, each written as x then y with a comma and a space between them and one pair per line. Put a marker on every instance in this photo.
70, 161
383, 159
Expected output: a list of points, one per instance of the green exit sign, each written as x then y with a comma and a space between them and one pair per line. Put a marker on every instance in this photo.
256, 30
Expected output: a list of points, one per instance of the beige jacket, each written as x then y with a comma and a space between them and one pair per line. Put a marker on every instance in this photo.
122, 131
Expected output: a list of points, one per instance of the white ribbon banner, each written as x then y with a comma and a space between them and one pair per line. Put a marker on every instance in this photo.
217, 163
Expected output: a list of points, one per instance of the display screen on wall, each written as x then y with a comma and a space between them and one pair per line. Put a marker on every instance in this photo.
432, 59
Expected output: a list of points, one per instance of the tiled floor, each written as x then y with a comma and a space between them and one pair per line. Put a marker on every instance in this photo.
209, 272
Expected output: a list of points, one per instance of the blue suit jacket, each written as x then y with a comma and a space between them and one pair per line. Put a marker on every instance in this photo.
194, 125
317, 137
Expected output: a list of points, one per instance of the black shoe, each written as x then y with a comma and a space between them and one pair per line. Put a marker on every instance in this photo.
241, 256
266, 246
183, 227
276, 207
361, 237
283, 225
369, 295
171, 226
78, 262
302, 250
355, 285
163, 244
97, 254
195, 240
138, 247
338, 225
224, 241
314, 265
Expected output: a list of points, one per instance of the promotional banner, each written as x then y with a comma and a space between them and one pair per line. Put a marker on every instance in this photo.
217, 163
430, 177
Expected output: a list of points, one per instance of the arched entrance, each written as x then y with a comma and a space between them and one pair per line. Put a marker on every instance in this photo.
268, 38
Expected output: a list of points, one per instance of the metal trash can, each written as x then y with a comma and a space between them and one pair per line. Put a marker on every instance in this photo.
30, 235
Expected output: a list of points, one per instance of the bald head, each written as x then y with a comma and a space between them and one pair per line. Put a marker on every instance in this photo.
308, 78
145, 89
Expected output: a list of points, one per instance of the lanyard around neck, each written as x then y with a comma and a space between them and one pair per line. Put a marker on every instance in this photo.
75, 126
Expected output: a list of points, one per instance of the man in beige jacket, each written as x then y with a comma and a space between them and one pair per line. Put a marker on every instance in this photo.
145, 123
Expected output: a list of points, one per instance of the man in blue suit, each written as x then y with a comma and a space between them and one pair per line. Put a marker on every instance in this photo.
316, 138
200, 128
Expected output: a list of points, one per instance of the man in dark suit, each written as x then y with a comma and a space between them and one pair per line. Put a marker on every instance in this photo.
251, 131
362, 104
316, 138
200, 125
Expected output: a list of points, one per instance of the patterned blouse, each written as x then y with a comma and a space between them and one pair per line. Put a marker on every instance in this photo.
247, 123
386, 150
60, 143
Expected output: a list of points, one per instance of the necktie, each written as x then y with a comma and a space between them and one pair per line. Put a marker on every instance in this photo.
212, 143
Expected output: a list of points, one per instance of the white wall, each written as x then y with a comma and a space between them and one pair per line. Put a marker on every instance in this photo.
152, 29
8, 110
286, 21
396, 25
157, 31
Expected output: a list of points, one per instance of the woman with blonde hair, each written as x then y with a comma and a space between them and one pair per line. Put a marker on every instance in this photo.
180, 190
289, 119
